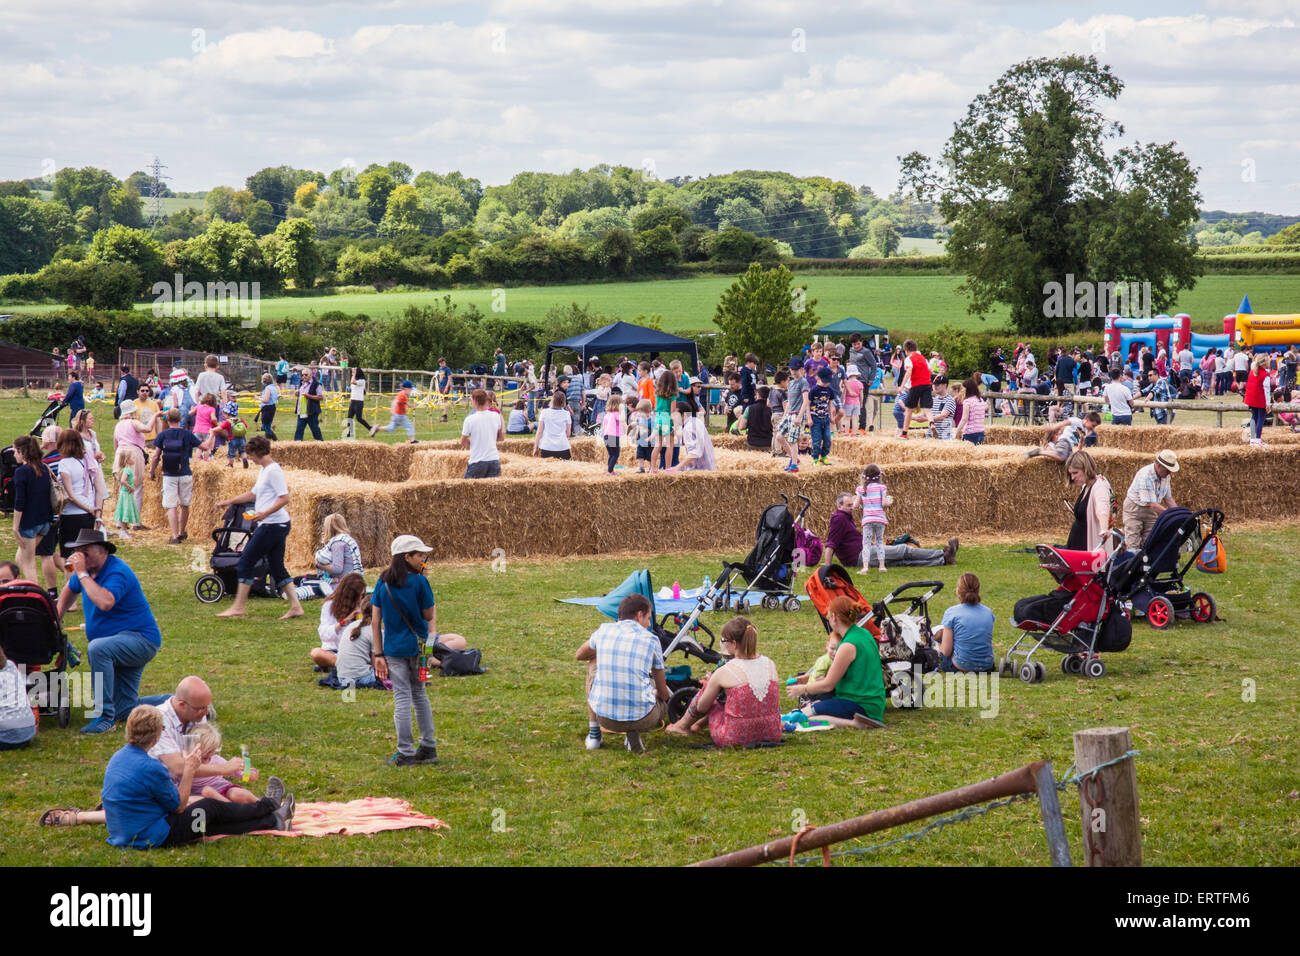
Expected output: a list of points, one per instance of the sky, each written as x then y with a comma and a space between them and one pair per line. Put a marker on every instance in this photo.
218, 89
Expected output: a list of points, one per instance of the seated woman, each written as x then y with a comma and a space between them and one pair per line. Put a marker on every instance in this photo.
519, 423
144, 808
966, 633
855, 681
750, 713
343, 608
697, 447
338, 555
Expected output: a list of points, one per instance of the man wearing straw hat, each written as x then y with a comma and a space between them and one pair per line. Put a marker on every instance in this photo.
1147, 497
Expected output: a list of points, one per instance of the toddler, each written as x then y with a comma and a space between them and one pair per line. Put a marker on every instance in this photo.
127, 513
874, 498
217, 788
205, 418
640, 431
853, 390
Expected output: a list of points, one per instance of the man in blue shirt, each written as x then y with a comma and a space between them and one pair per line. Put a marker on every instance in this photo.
174, 446
121, 632
76, 394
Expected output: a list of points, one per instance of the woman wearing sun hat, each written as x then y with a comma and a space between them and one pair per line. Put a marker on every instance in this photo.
403, 623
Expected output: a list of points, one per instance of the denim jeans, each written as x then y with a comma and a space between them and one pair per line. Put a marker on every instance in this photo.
399, 420
312, 421
120, 659
267, 542
821, 437
268, 416
1121, 419
1257, 418
837, 707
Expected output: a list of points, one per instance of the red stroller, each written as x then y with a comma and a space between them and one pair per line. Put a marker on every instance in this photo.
1080, 619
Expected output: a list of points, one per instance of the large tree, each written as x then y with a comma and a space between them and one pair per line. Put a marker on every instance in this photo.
1034, 191
767, 314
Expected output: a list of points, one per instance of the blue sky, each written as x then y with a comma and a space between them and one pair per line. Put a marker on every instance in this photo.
686, 87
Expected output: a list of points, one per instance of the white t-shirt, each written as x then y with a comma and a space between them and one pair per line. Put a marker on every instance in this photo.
209, 383
1241, 361
170, 741
1220, 365
1120, 398
269, 486
482, 429
359, 390
551, 423
79, 481
1186, 359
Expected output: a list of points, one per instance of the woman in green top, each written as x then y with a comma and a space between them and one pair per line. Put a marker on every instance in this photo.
855, 682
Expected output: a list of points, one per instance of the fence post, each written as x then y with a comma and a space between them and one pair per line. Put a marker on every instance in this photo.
25, 395
1049, 808
1108, 801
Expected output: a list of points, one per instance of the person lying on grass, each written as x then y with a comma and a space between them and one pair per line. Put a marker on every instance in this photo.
855, 681
1062, 439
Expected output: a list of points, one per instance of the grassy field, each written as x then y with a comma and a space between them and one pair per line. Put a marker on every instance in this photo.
1216, 773
913, 304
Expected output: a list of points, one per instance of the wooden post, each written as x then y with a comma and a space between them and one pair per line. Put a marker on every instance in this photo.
1108, 802
1049, 808
24, 384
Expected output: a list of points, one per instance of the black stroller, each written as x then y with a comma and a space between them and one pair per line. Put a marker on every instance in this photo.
230, 539
1152, 578
9, 461
32, 638
769, 569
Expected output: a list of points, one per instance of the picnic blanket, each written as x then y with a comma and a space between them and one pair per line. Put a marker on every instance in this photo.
665, 603
367, 815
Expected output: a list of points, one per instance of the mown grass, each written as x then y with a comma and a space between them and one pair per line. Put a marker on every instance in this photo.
909, 303
1216, 774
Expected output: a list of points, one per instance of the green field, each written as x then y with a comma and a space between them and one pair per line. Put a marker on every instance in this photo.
914, 304
1216, 772
170, 204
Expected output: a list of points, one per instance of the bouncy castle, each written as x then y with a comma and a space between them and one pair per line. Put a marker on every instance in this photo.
1261, 333
1125, 335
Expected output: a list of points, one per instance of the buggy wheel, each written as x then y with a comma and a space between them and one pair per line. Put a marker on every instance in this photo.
1094, 667
64, 709
771, 602
209, 589
1040, 669
791, 604
1029, 672
1202, 608
679, 701
1006, 668
1160, 612
742, 605
719, 603
1069, 664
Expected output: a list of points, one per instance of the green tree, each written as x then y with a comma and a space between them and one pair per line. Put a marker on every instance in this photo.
374, 188
400, 172
1033, 196
16, 189
297, 256
656, 250
135, 246
403, 213
83, 187
259, 218
1288, 236
765, 313
306, 195
883, 236
440, 329
277, 184
30, 231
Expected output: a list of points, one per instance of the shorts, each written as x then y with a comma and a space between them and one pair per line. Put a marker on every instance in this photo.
642, 452
975, 438
37, 531
790, 428
45, 546
564, 453
484, 469
663, 424
70, 526
1063, 448
177, 490
1121, 419
235, 447
918, 396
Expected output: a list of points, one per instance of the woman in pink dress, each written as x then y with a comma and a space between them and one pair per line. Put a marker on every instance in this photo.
751, 711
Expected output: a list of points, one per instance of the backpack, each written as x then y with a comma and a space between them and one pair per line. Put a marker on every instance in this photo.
238, 428
1212, 559
175, 448
57, 496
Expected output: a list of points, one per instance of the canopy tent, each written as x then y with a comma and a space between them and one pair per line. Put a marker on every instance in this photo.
848, 326
624, 337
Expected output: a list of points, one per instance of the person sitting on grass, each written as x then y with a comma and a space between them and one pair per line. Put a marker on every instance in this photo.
216, 787
965, 636
749, 713
855, 681
338, 613
1062, 439
820, 668
17, 719
626, 689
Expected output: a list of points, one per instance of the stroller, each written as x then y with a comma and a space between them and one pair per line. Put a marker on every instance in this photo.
1083, 617
9, 461
32, 638
676, 632
1152, 579
769, 569
235, 531
905, 640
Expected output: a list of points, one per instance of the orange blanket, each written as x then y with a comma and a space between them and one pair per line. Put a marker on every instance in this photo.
368, 815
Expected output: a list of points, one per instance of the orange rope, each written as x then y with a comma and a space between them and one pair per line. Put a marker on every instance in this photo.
794, 846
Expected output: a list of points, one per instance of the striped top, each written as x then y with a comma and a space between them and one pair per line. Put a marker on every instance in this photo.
873, 503
973, 416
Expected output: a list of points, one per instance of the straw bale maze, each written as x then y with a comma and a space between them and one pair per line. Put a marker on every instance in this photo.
550, 507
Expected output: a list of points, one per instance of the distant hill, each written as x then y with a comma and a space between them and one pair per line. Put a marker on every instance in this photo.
1266, 222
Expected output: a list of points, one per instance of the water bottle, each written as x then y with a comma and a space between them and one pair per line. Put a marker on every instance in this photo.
707, 584
247, 774
677, 591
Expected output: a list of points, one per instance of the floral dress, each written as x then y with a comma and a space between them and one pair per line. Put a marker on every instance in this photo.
751, 713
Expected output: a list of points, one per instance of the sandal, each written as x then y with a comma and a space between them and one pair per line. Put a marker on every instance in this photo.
64, 817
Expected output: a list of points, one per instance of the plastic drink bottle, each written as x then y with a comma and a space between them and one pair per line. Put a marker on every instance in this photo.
248, 767
707, 583
677, 591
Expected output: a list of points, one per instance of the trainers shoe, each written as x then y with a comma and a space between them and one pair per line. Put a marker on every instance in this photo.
869, 723
284, 814
594, 741
1032, 453
632, 741
401, 760
275, 790
100, 726
245, 462
426, 755
373, 429
173, 540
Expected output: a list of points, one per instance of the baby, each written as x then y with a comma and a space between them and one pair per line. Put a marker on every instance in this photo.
217, 788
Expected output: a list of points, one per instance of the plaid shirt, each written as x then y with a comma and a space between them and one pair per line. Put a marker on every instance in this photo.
1159, 392
626, 653
1147, 489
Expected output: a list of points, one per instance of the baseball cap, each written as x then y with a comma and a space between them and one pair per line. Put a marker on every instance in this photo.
1168, 460
823, 375
406, 543
407, 383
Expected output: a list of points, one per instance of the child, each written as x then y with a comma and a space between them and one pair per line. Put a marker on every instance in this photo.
821, 667
853, 389
216, 788
127, 514
645, 383
821, 408
874, 498
662, 430
234, 432
975, 408
613, 428
601, 401
942, 407
640, 431
205, 417
731, 401
397, 415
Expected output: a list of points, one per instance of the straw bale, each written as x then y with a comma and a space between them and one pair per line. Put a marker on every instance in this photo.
359, 458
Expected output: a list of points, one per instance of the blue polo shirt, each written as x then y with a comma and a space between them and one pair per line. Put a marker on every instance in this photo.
130, 612
138, 794
400, 605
